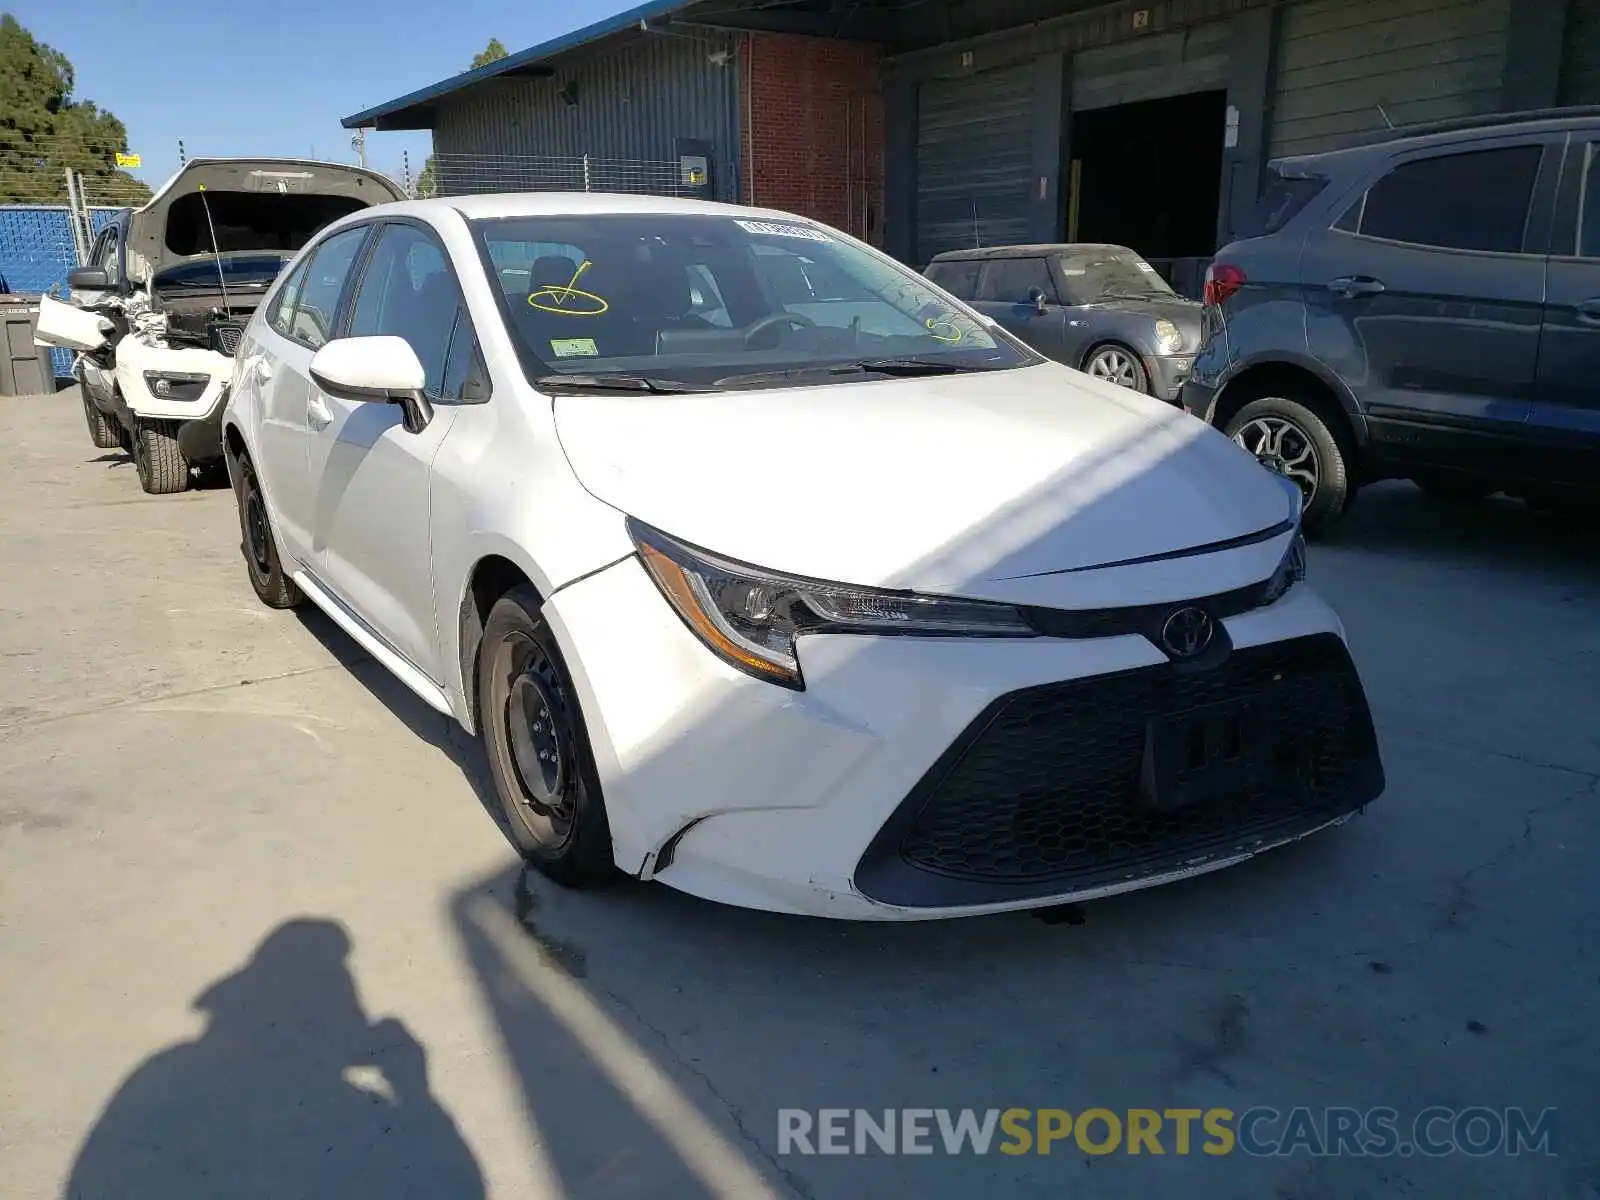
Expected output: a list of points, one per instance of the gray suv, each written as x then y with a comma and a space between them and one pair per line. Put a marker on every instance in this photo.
1423, 307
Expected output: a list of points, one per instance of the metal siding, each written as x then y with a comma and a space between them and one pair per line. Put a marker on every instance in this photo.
1170, 64
974, 161
1421, 60
633, 104
1580, 59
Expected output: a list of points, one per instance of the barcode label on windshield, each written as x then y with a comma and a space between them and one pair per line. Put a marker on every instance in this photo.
774, 229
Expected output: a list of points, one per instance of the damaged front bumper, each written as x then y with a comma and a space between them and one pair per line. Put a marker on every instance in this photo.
201, 438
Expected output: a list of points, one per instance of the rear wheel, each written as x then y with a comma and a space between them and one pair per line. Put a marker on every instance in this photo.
1118, 365
160, 463
272, 586
105, 432
538, 747
1291, 438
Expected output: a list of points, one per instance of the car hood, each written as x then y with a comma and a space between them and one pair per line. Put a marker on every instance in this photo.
1007, 486
1185, 314
282, 183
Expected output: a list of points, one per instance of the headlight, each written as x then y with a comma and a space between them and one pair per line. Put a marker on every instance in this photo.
175, 385
1169, 338
1290, 571
750, 618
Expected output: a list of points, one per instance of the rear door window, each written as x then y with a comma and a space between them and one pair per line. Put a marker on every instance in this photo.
1589, 204
1476, 200
318, 303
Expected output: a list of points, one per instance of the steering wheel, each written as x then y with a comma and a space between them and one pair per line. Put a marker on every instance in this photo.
773, 320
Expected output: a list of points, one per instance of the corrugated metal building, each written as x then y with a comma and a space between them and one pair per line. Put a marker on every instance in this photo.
953, 122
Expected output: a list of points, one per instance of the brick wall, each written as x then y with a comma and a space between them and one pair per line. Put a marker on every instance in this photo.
811, 130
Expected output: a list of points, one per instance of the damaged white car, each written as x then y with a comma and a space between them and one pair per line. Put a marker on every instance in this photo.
156, 313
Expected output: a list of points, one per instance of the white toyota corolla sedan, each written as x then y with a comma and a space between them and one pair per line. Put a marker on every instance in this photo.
767, 569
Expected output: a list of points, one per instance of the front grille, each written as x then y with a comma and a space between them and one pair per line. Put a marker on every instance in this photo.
1049, 790
225, 337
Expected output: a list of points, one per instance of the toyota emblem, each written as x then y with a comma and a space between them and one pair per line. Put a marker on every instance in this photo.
1187, 632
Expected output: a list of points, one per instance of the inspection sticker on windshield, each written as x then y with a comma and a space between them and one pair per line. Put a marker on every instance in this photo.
775, 229
573, 347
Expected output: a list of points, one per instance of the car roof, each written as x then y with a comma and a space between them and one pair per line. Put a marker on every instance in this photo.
1384, 142
1031, 250
543, 204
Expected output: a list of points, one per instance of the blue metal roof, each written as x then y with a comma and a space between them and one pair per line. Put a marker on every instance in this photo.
532, 57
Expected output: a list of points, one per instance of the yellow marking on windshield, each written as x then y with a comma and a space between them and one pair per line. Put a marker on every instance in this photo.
561, 294
933, 327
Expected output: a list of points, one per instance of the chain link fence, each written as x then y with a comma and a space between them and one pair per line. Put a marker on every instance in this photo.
467, 174
37, 249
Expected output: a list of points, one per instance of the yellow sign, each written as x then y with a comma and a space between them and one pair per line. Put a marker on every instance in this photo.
129, 160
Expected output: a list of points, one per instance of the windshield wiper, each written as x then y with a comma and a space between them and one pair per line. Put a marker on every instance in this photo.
865, 366
1109, 294
613, 383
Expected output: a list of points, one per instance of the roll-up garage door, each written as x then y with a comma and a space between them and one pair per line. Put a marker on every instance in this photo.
974, 160
1580, 61
1346, 65
1153, 68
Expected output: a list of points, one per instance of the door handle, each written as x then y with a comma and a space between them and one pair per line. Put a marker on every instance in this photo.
1589, 311
1350, 286
317, 414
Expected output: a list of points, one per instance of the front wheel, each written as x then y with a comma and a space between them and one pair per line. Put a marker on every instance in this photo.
1292, 439
105, 432
538, 747
1118, 365
161, 466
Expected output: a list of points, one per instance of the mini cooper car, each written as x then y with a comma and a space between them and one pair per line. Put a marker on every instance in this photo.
847, 604
156, 313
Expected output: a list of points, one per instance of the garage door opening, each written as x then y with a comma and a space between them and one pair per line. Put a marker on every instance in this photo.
1148, 175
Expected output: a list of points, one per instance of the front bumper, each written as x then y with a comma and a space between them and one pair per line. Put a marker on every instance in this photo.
1168, 375
200, 439
745, 793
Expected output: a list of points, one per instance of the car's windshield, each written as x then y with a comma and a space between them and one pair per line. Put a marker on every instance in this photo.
696, 300
241, 271
1109, 273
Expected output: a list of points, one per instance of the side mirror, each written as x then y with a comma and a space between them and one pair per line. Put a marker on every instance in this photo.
383, 369
88, 279
1037, 296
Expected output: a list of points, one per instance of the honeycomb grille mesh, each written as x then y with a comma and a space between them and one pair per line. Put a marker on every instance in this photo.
225, 338
1050, 787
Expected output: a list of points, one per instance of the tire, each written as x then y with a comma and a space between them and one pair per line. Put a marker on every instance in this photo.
272, 586
162, 467
105, 432
1119, 365
538, 747
1454, 491
1285, 434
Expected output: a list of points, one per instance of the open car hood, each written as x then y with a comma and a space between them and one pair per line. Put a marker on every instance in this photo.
260, 204
1016, 485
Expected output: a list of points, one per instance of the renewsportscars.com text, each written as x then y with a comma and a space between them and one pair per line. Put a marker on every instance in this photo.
1259, 1131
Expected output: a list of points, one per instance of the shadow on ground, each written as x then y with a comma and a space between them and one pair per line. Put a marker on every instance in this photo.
291, 1091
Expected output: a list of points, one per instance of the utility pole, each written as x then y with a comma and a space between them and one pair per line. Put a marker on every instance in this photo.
359, 141
405, 159
182, 157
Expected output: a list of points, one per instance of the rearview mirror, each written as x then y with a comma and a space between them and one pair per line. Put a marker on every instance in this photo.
382, 369
88, 279
1037, 296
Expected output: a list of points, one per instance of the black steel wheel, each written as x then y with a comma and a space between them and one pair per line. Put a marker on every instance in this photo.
272, 585
538, 748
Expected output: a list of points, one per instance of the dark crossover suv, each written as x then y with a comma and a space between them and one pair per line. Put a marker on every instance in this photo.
1425, 307
1102, 309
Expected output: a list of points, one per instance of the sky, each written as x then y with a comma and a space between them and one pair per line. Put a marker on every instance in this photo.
232, 82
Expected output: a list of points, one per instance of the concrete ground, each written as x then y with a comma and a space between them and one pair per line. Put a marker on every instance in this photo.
259, 937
